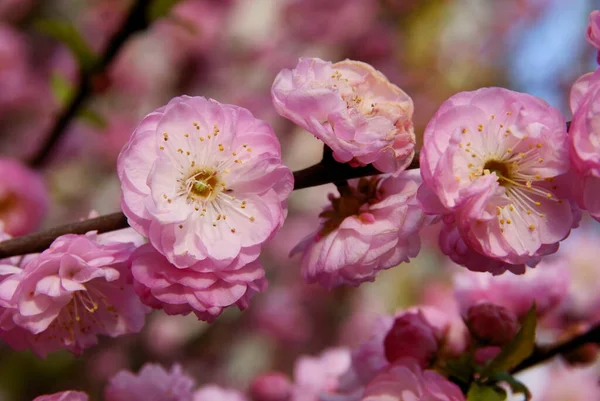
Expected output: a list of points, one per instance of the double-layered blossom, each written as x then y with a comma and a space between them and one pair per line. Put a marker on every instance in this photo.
152, 383
351, 107
64, 297
197, 289
23, 198
373, 225
406, 381
204, 182
64, 396
492, 163
585, 147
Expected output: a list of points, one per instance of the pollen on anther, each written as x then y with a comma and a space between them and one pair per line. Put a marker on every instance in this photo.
252, 218
540, 160
180, 150
509, 150
480, 127
202, 139
186, 135
549, 195
233, 153
538, 203
181, 226
214, 224
233, 230
165, 196
464, 131
492, 116
221, 148
532, 227
508, 221
249, 149
161, 147
187, 153
511, 208
538, 177
169, 200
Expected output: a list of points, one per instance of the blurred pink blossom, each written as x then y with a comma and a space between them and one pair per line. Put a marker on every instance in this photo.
215, 393
373, 225
152, 383
64, 396
316, 376
351, 107
585, 148
546, 286
488, 162
70, 293
13, 10
271, 386
204, 182
23, 198
197, 289
411, 336
405, 381
593, 29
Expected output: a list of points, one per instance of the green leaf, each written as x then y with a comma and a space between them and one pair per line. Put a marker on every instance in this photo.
518, 349
92, 118
160, 8
459, 369
516, 386
478, 392
66, 33
61, 88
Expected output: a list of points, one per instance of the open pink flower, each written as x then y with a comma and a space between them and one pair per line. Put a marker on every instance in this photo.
204, 182
372, 226
351, 107
216, 393
70, 293
320, 375
64, 396
585, 147
152, 383
490, 162
405, 381
23, 198
162, 285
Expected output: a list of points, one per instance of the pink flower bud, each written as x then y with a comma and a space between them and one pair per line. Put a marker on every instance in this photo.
485, 354
272, 386
411, 336
492, 324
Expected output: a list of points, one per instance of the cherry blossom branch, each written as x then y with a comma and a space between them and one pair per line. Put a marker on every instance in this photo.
135, 21
541, 355
325, 172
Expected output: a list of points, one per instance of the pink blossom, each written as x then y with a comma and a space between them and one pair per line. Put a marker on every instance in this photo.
15, 73
411, 336
196, 288
405, 381
204, 182
272, 386
14, 10
64, 396
490, 162
334, 21
152, 383
585, 148
492, 324
372, 226
546, 286
215, 393
70, 293
315, 376
351, 107
593, 29
23, 198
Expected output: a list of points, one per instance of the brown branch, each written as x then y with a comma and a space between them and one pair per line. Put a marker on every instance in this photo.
325, 172
545, 354
135, 21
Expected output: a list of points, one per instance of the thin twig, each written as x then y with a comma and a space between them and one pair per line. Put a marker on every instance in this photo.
135, 21
545, 354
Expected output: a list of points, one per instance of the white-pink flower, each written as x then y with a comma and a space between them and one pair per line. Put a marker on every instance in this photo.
405, 381
204, 182
152, 383
64, 396
216, 393
70, 293
492, 163
162, 285
373, 225
585, 146
351, 107
320, 375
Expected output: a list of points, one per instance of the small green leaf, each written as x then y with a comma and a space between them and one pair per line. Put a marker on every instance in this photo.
516, 386
92, 118
518, 349
67, 33
160, 8
478, 392
459, 369
61, 88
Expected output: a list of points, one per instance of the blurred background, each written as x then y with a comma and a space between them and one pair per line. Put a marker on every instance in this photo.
231, 50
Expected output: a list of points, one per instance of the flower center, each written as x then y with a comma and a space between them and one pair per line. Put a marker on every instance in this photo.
502, 170
202, 185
